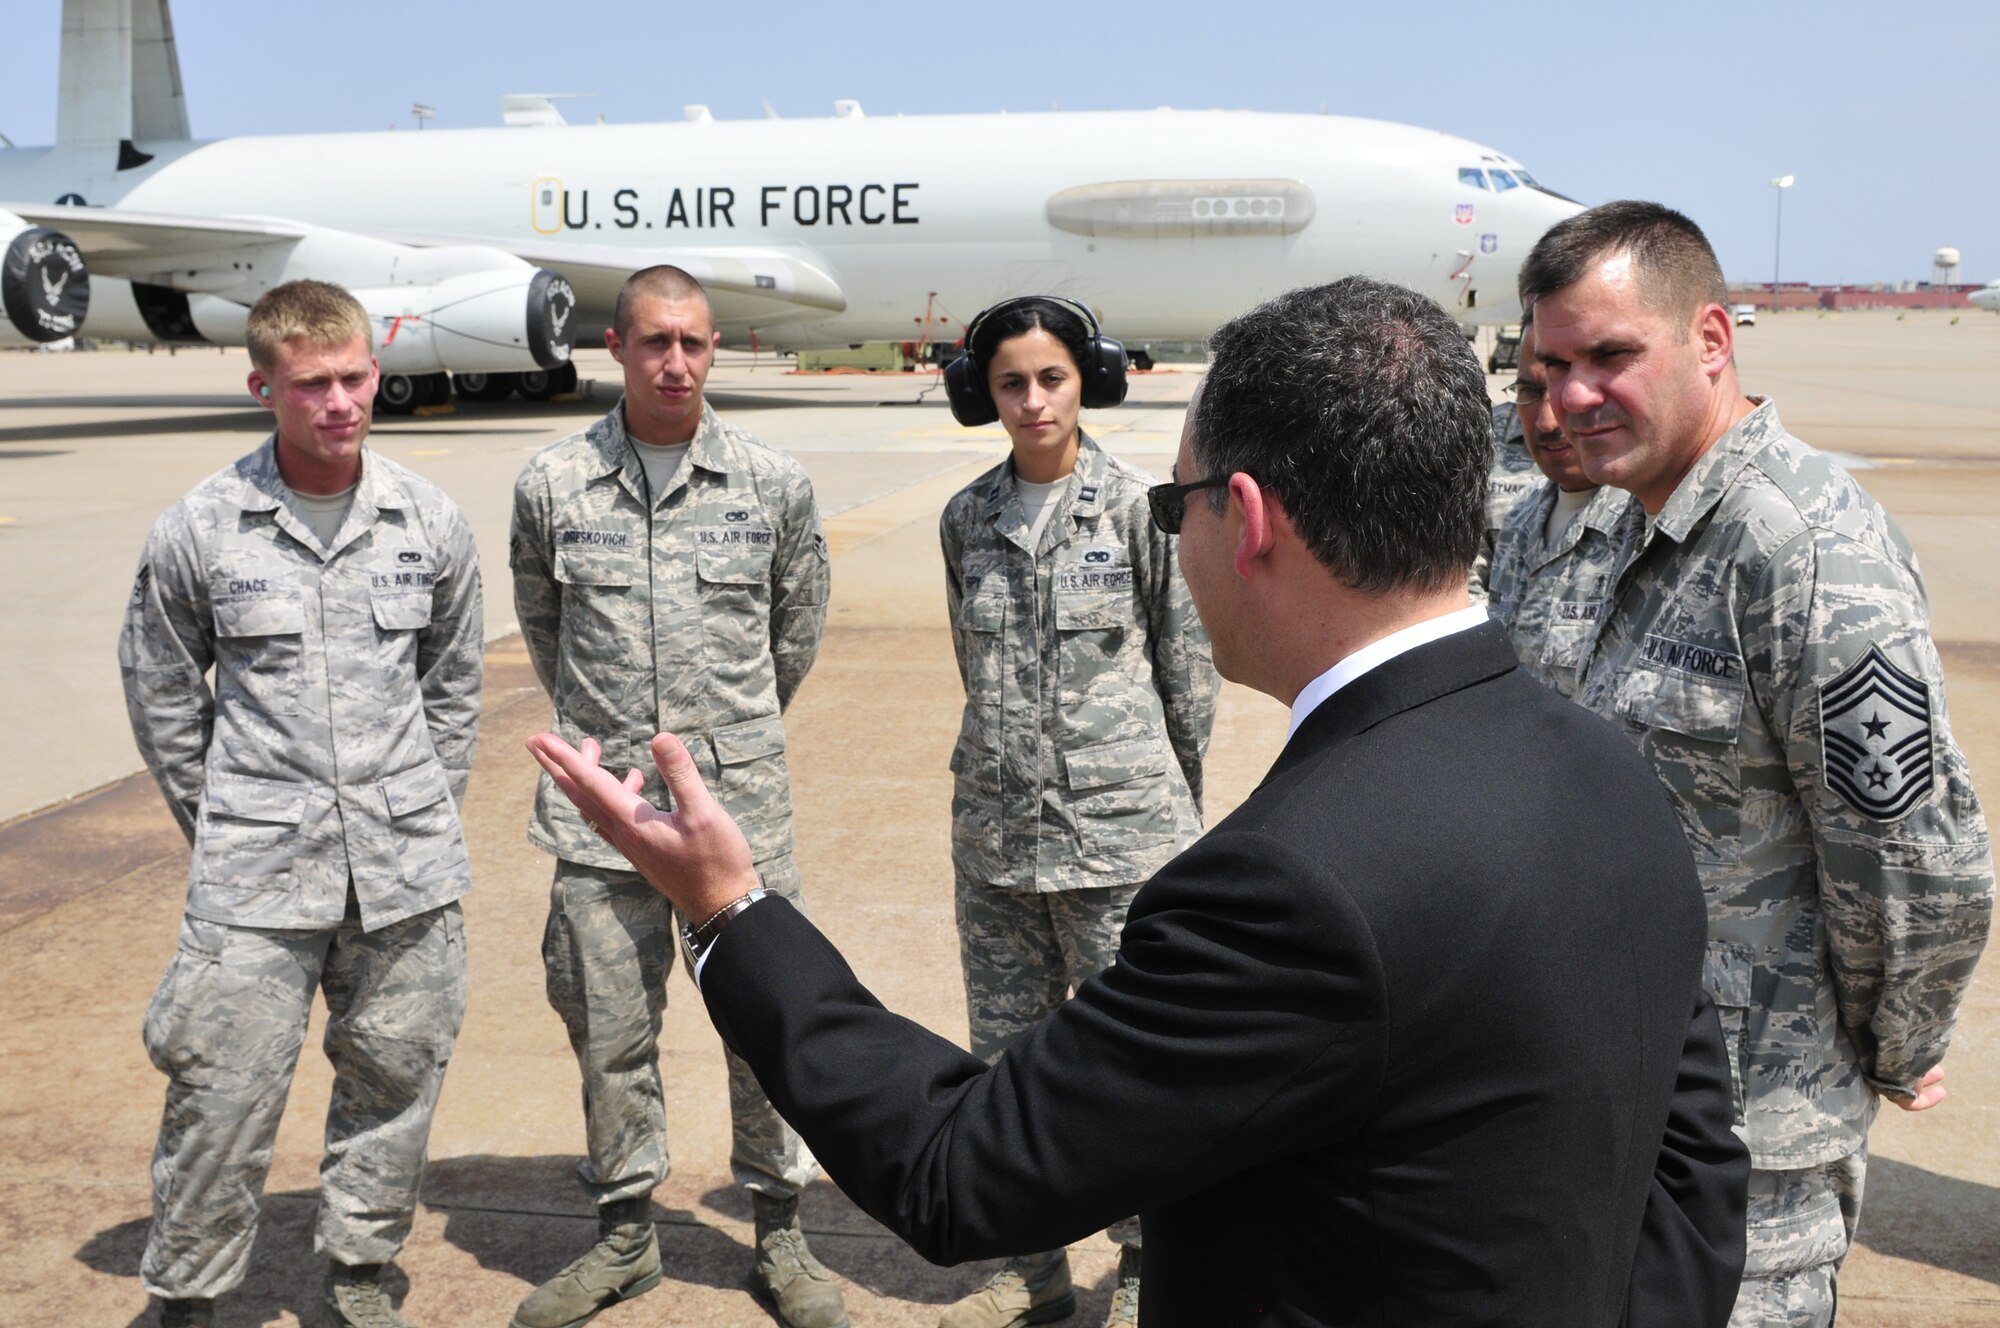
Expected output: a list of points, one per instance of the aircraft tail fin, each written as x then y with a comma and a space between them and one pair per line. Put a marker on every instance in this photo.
121, 78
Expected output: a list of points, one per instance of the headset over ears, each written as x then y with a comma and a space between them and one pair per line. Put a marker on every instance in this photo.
1103, 368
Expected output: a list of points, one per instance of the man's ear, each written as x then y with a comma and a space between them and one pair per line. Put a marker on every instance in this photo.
612, 344
260, 388
1256, 511
1714, 339
715, 340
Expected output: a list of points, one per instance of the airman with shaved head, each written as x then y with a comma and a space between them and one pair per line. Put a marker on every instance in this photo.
669, 572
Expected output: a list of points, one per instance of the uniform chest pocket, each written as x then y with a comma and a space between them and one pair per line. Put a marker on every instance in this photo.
1093, 598
260, 623
611, 568
734, 568
1690, 733
984, 608
401, 612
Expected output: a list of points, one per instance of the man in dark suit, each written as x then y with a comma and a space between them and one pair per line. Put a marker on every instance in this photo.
1415, 1035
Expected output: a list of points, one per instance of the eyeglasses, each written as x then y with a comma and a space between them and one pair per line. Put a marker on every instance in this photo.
1169, 502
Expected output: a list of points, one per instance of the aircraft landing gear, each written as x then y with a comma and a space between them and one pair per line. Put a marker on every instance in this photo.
403, 394
483, 386
545, 385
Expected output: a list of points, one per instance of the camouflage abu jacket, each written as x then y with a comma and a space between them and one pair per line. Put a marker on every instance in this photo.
697, 615
1551, 599
1513, 478
1766, 647
1089, 689
339, 733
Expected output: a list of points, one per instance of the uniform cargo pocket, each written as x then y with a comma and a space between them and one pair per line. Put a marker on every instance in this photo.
249, 831
1725, 974
751, 779
423, 822
1120, 795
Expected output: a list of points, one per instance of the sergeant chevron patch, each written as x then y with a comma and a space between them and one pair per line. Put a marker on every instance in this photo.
1875, 737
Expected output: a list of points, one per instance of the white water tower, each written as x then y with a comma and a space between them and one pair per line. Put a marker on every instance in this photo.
1944, 268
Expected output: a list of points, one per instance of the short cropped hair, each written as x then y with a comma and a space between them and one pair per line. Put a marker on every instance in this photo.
317, 313
1022, 316
1676, 267
663, 281
1361, 408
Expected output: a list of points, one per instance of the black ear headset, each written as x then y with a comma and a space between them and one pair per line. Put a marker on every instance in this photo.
1103, 367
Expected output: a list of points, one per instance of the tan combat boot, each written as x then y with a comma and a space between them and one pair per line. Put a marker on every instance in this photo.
354, 1298
785, 1275
624, 1263
1032, 1288
1125, 1297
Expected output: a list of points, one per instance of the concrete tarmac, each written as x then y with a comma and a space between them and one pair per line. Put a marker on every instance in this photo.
92, 447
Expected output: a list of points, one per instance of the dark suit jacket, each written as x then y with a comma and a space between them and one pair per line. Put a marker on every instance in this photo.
1396, 1042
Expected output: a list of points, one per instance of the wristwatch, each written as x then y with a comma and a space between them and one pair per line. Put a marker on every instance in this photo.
695, 940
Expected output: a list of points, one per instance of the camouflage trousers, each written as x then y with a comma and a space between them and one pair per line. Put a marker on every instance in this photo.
1023, 952
1801, 1224
608, 948
226, 1026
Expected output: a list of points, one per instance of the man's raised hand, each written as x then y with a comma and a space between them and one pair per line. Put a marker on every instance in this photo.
695, 855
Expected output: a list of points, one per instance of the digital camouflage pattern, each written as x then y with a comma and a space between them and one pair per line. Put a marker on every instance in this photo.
607, 950
1551, 598
1800, 1227
226, 1027
1089, 687
696, 613
1769, 594
338, 737
1022, 952
1512, 479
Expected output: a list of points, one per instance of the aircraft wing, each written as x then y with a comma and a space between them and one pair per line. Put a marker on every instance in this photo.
745, 286
120, 243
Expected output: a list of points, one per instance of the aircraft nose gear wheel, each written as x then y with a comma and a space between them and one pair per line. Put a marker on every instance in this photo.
400, 394
544, 385
483, 386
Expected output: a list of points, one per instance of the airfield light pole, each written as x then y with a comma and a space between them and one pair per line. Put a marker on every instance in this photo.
1781, 184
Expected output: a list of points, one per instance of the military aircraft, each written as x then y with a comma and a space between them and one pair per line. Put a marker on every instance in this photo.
484, 254
1987, 297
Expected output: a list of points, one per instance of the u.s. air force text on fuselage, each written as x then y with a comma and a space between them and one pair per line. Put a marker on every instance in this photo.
557, 207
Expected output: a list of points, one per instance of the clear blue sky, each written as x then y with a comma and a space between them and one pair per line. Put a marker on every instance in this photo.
1877, 108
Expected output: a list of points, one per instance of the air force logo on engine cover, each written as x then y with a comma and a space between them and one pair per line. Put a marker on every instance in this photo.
1875, 736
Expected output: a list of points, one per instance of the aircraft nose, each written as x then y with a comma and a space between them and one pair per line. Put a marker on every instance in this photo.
1524, 215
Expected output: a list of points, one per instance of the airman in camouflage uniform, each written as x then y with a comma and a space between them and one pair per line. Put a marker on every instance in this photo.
1766, 647
695, 610
318, 782
1550, 595
1512, 479
1090, 693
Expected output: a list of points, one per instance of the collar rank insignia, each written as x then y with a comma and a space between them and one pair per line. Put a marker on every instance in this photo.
1875, 737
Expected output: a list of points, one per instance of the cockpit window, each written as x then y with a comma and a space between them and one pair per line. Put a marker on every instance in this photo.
1502, 181
1526, 178
1472, 175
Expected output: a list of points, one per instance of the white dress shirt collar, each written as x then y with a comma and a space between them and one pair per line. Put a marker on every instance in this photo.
1377, 653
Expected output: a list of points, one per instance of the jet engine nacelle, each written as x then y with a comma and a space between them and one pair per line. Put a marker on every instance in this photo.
478, 322
44, 285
